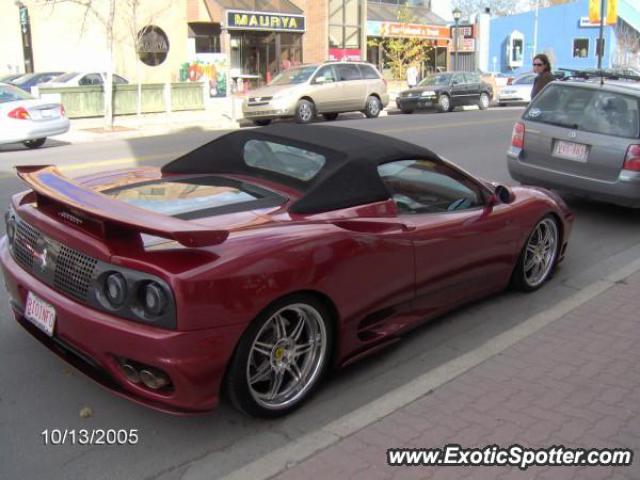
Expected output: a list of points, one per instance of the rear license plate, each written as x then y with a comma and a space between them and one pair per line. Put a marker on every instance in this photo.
570, 151
51, 113
40, 313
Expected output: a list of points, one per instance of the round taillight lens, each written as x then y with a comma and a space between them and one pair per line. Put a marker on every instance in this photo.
153, 299
115, 289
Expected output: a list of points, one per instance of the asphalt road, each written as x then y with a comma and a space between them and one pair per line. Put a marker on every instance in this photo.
38, 391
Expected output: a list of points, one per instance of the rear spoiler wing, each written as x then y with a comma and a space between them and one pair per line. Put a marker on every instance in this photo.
46, 180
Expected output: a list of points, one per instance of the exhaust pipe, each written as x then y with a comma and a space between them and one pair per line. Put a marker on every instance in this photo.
130, 372
153, 379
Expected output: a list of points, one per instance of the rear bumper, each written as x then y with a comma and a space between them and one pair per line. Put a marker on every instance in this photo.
92, 341
31, 130
623, 191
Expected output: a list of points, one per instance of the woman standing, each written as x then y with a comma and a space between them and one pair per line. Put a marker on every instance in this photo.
542, 67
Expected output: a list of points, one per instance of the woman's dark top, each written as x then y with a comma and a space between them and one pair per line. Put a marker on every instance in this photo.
541, 80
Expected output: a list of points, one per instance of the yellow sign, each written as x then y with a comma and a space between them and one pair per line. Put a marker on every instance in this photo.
612, 12
594, 11
243, 20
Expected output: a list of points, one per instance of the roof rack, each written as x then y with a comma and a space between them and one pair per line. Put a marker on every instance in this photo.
602, 74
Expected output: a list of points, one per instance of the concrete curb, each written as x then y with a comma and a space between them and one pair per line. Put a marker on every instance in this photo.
296, 452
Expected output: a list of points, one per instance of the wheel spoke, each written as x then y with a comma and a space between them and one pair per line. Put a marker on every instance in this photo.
261, 374
297, 331
263, 348
303, 349
275, 386
530, 263
295, 372
280, 327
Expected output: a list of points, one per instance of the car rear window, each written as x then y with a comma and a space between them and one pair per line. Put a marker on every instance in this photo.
597, 111
12, 94
191, 198
283, 159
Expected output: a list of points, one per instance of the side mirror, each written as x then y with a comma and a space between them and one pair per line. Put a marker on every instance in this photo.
504, 194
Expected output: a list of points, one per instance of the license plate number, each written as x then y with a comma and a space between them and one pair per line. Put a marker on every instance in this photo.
570, 151
40, 313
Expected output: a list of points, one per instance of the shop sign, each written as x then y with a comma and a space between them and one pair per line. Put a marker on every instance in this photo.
245, 20
152, 45
347, 54
397, 29
585, 22
465, 31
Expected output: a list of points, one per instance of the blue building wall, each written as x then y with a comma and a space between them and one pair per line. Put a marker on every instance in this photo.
557, 28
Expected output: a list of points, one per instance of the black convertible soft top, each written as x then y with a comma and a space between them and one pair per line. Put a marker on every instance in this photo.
348, 178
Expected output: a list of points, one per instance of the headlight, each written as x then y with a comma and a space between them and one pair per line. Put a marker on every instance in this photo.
115, 289
10, 225
428, 93
153, 299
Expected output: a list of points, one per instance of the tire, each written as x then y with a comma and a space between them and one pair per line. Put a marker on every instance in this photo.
330, 116
38, 142
262, 377
484, 101
305, 111
444, 103
373, 107
538, 257
262, 123
407, 110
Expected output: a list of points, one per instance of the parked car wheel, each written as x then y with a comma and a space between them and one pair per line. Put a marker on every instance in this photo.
330, 116
38, 142
444, 103
407, 110
305, 111
372, 107
483, 103
538, 257
262, 123
281, 357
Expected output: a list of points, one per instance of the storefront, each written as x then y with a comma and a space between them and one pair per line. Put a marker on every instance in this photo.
263, 44
394, 29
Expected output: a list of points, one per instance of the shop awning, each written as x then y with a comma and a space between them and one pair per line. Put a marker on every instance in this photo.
268, 6
385, 12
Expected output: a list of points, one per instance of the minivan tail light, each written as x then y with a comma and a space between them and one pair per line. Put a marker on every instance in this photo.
19, 113
632, 158
517, 136
62, 111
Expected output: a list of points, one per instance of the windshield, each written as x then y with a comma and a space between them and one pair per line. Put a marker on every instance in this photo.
24, 78
64, 77
294, 75
441, 79
9, 93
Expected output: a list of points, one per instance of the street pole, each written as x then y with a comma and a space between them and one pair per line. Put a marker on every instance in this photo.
455, 44
600, 47
535, 31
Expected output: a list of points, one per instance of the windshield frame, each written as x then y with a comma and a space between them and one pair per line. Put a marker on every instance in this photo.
310, 70
448, 75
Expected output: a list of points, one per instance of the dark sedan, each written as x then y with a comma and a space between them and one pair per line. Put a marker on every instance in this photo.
444, 91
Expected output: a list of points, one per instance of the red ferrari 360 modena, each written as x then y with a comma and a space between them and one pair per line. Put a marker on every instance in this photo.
259, 260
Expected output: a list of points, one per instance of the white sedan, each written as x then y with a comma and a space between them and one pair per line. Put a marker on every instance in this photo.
25, 119
518, 91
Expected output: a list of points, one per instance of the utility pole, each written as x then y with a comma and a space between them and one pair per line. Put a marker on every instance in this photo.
535, 31
600, 47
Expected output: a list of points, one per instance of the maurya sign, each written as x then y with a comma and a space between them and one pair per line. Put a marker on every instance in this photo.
243, 20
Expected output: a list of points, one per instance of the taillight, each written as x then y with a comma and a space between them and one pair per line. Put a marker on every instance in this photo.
517, 136
632, 158
510, 81
62, 111
19, 113
385, 82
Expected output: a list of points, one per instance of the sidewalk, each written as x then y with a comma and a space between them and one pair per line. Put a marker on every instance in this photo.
575, 382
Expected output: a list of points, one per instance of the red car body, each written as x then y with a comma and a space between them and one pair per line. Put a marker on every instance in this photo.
379, 273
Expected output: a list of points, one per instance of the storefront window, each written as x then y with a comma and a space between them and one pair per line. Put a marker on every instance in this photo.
207, 37
257, 57
344, 24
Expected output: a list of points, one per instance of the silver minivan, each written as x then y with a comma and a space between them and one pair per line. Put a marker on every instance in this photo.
582, 137
328, 89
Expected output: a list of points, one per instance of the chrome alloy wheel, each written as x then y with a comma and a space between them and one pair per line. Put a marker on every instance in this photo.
287, 356
540, 253
373, 107
484, 101
305, 112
